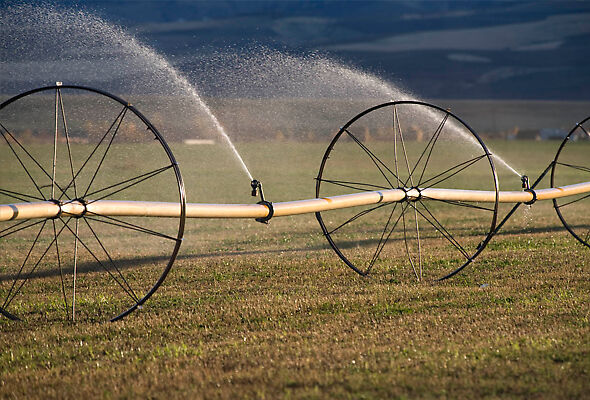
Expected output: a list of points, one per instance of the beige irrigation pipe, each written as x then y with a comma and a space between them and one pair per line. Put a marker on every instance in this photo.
48, 209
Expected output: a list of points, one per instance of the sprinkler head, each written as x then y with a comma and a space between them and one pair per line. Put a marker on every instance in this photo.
257, 189
255, 185
525, 182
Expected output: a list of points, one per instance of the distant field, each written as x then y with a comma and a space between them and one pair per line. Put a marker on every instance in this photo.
501, 117
317, 120
260, 311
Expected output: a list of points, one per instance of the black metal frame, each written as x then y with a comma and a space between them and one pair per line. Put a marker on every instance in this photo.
553, 164
550, 167
344, 129
127, 107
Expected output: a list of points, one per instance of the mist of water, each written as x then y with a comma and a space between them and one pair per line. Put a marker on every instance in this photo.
251, 91
297, 93
178, 78
44, 44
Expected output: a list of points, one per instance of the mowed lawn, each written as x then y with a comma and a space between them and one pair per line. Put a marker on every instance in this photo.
257, 311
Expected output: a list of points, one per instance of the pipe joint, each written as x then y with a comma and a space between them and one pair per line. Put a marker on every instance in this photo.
84, 211
412, 194
271, 212
58, 204
75, 208
531, 191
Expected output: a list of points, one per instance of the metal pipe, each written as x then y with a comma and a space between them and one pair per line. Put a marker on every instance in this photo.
48, 209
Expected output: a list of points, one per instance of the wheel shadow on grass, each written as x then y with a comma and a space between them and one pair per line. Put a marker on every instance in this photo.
138, 261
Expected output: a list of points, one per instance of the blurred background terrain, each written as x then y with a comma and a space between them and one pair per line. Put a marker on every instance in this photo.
296, 71
438, 49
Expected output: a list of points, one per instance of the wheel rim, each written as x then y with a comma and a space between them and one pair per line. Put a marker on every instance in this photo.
408, 144
570, 166
68, 143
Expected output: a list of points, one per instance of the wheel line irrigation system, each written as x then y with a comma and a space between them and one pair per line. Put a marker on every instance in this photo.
403, 192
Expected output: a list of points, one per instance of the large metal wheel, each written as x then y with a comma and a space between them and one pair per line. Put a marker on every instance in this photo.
571, 165
76, 144
408, 144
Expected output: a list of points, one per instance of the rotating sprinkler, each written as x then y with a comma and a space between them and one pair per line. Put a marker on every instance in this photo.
419, 194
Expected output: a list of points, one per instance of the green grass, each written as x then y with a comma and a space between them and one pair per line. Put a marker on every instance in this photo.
255, 311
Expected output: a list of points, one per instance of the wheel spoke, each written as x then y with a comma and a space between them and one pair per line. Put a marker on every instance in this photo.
20, 161
106, 151
3, 234
75, 271
459, 167
578, 167
401, 138
360, 214
19, 196
428, 145
376, 160
442, 230
61, 275
31, 157
128, 225
126, 290
134, 181
67, 135
396, 123
54, 146
393, 124
94, 150
408, 253
461, 204
23, 264
384, 239
112, 262
573, 201
436, 136
585, 131
353, 185
30, 274
418, 240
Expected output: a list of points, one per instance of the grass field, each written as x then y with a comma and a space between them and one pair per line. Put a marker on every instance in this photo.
255, 311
